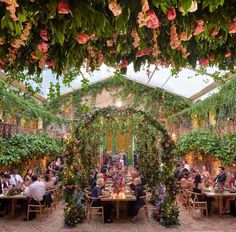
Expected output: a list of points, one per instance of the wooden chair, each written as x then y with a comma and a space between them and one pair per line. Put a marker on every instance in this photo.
97, 210
186, 196
195, 203
40, 208
145, 207
55, 198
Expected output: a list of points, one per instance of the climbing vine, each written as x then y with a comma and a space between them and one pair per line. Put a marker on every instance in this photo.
155, 148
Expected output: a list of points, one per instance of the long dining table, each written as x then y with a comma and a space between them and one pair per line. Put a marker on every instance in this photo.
13, 200
219, 197
117, 198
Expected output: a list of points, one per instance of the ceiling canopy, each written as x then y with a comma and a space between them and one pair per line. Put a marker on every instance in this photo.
65, 35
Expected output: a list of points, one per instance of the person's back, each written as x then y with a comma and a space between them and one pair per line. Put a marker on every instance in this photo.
36, 190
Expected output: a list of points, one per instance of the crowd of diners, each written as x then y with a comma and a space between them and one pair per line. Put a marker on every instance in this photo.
114, 168
199, 180
36, 188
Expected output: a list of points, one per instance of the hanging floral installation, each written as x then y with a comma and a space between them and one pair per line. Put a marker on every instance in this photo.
69, 34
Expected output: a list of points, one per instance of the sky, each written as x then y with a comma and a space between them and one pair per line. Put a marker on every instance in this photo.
186, 83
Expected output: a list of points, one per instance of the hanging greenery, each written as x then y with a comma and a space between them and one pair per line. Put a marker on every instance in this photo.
63, 35
154, 148
207, 143
222, 104
157, 101
12, 104
19, 149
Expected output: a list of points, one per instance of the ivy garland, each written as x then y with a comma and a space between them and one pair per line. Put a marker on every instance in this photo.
154, 148
207, 143
68, 34
158, 102
12, 104
222, 104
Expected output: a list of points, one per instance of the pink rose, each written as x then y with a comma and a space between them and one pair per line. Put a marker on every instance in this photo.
198, 30
43, 47
44, 34
184, 36
63, 7
114, 8
144, 52
171, 14
82, 38
214, 32
232, 27
123, 64
152, 20
228, 54
203, 62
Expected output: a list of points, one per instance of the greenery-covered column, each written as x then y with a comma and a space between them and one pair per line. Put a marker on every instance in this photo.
73, 180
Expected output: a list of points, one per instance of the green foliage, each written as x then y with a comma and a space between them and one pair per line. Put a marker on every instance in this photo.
96, 20
222, 104
156, 101
12, 104
154, 147
19, 149
207, 143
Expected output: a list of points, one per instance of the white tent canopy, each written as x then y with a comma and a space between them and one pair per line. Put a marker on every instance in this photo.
187, 83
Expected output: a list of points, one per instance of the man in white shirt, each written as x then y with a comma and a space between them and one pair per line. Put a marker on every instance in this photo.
35, 193
15, 179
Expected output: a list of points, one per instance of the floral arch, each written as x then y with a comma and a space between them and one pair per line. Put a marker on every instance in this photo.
153, 145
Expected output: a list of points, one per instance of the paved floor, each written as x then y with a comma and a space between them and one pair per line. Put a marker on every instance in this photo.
54, 223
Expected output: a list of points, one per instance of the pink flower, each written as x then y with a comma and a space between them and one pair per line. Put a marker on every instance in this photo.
214, 32
82, 38
123, 64
44, 34
109, 43
203, 62
43, 47
228, 54
152, 20
114, 8
63, 7
1, 65
51, 63
200, 22
232, 27
198, 30
212, 57
171, 14
184, 36
144, 52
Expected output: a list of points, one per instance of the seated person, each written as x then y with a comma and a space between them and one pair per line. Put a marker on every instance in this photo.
232, 186
48, 183
4, 183
134, 174
138, 192
29, 174
198, 187
54, 178
92, 179
35, 194
15, 179
221, 177
97, 193
184, 182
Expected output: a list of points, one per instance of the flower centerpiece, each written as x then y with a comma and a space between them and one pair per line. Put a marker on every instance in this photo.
219, 189
14, 191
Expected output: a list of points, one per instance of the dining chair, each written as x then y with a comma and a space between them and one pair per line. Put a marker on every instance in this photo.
195, 203
145, 207
39, 208
96, 210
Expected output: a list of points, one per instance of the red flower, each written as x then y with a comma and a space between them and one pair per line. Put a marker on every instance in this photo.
152, 20
123, 64
200, 27
232, 27
214, 32
44, 34
171, 14
43, 47
144, 52
63, 7
203, 62
82, 38
228, 54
